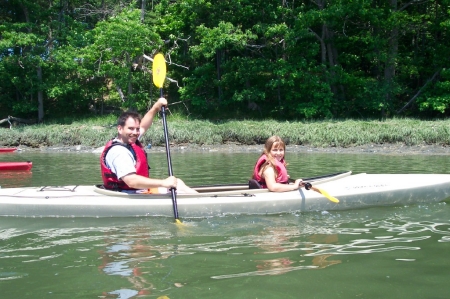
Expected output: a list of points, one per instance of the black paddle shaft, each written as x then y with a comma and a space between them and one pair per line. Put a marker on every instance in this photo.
169, 160
166, 138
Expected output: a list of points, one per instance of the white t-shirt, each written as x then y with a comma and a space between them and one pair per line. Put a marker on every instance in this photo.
121, 161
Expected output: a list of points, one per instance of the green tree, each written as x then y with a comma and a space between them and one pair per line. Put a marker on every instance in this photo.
228, 59
118, 55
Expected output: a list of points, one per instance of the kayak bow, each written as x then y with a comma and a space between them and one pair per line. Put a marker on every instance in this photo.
7, 149
16, 166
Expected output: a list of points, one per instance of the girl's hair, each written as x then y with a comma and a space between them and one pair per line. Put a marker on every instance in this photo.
274, 141
270, 142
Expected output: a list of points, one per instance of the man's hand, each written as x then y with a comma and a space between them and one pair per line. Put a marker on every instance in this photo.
160, 103
170, 182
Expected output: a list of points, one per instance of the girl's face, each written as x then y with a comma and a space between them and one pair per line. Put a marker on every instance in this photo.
277, 151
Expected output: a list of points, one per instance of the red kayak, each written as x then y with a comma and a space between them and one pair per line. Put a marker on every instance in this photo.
7, 149
23, 166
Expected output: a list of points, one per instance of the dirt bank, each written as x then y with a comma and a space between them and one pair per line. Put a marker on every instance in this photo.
380, 149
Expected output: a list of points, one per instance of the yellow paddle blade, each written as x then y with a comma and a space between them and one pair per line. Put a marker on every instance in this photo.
331, 198
159, 70
181, 226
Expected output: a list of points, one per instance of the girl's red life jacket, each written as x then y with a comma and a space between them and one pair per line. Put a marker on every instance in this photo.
282, 176
110, 179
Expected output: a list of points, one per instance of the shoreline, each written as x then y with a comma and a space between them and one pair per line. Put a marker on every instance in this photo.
379, 149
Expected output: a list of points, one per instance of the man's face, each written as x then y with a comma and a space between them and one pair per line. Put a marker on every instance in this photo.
130, 131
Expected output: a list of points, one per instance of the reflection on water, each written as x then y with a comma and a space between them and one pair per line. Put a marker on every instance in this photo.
13, 179
123, 259
153, 257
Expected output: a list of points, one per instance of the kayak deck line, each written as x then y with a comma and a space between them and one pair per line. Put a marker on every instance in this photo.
58, 188
355, 191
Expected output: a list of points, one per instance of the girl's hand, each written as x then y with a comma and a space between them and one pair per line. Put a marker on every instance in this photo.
298, 183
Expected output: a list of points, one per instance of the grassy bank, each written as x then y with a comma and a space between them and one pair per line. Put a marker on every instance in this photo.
95, 132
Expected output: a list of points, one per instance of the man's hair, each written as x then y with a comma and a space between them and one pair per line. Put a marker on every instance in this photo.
126, 115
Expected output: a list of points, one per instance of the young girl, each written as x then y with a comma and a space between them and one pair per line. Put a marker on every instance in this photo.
270, 169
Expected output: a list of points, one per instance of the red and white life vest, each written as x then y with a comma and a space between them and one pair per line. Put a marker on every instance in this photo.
282, 176
110, 179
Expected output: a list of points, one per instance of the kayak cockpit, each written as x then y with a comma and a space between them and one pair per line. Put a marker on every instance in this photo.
227, 188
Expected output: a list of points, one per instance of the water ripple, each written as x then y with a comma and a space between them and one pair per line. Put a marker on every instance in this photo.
11, 275
366, 246
265, 272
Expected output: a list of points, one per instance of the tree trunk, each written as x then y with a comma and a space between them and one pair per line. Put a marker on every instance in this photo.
142, 10
219, 75
122, 96
40, 95
329, 53
389, 69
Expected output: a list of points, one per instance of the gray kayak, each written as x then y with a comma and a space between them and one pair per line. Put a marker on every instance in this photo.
354, 191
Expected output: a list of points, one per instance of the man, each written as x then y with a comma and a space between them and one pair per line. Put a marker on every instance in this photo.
124, 161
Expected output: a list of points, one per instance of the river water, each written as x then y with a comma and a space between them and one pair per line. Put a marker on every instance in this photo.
385, 252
